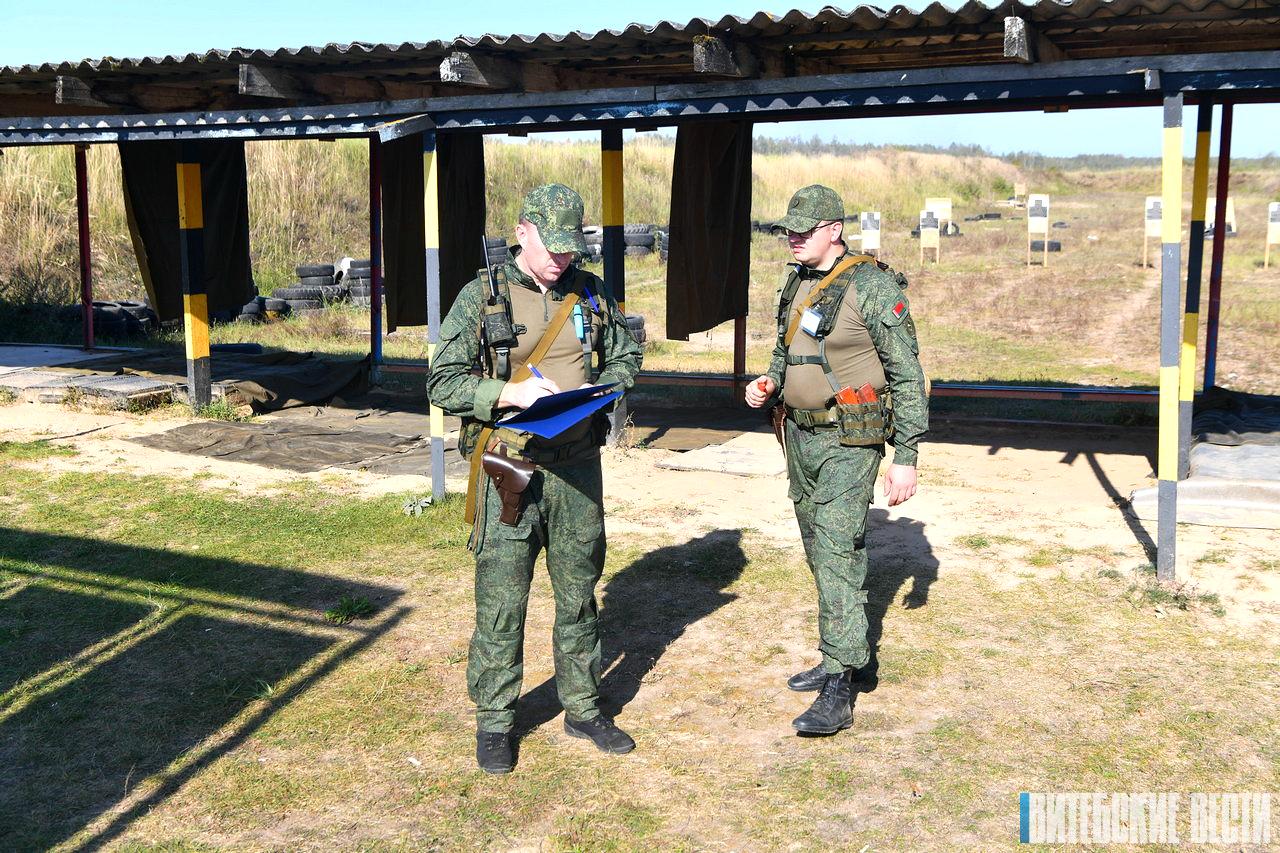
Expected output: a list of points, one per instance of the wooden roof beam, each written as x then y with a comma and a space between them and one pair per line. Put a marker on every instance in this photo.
300, 86
483, 72
75, 92
716, 57
1024, 43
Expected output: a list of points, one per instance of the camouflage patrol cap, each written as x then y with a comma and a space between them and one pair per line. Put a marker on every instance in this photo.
557, 212
809, 206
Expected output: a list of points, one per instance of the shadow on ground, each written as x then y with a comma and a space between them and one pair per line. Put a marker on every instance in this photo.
117, 664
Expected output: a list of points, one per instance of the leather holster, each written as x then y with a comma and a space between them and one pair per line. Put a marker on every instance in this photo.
778, 417
510, 477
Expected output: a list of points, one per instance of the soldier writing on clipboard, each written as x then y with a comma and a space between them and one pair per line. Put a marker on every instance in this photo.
547, 325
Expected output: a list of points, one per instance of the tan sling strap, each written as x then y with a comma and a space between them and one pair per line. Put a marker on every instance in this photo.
521, 374
827, 280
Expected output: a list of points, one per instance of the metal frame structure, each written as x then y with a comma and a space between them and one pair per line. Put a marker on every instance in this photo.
832, 64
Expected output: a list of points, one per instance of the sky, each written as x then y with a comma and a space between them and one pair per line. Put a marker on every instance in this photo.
75, 29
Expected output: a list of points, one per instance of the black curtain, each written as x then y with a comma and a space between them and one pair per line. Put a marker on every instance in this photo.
149, 177
710, 248
460, 170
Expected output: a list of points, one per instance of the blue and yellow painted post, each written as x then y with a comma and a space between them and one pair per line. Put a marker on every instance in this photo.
195, 298
1195, 259
614, 254
431, 234
1170, 341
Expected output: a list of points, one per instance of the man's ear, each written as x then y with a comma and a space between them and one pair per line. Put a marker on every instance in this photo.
522, 233
838, 233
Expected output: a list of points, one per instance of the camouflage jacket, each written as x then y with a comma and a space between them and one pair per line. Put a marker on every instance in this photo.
454, 381
888, 317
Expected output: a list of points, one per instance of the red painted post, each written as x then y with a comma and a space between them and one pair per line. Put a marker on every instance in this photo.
1219, 243
86, 267
375, 256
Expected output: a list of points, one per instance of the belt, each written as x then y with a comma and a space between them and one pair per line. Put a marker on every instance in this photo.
814, 418
550, 457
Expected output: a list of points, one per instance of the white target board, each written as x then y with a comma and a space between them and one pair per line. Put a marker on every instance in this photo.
870, 222
1211, 214
1153, 216
930, 229
941, 206
1273, 222
1038, 214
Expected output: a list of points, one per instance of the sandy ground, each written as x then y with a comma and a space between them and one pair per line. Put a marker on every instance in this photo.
1022, 487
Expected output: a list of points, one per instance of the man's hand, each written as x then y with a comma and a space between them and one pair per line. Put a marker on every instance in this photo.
900, 483
759, 391
522, 395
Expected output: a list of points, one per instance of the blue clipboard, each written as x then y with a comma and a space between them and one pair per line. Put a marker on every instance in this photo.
551, 415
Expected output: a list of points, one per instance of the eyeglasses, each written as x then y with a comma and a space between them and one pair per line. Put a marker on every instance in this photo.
805, 235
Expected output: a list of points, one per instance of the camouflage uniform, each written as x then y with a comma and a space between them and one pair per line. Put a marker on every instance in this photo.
562, 509
832, 483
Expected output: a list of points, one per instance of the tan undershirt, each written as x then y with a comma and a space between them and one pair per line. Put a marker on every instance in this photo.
850, 352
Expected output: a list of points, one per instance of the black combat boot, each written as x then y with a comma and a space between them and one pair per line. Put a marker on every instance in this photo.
831, 711
493, 752
602, 732
810, 679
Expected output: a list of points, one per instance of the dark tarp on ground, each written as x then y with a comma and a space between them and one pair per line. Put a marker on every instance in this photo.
149, 176
1234, 418
269, 382
707, 270
460, 166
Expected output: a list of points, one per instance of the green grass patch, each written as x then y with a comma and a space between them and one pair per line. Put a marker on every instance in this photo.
349, 608
221, 410
39, 449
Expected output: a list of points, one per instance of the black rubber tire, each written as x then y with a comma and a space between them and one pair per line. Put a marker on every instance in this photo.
640, 335
590, 231
362, 290
637, 240
311, 270
637, 251
316, 280
635, 321
225, 315
296, 304
490, 242
115, 327
333, 292
1038, 246
251, 308
298, 291
360, 301
273, 303
637, 228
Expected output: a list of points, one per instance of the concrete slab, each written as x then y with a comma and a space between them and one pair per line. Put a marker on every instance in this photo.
1218, 502
751, 454
16, 357
1244, 461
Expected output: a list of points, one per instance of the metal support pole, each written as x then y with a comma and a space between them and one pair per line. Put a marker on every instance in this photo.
195, 299
1170, 281
612, 216
1191, 313
375, 258
431, 234
1219, 244
739, 358
86, 266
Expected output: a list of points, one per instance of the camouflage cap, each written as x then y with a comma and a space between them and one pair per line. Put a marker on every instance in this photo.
557, 212
809, 206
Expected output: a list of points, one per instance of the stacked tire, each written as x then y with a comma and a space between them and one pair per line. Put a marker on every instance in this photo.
637, 240
662, 242
358, 280
307, 295
119, 319
594, 235
635, 324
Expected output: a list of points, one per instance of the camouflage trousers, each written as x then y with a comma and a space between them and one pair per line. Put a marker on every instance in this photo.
564, 514
832, 486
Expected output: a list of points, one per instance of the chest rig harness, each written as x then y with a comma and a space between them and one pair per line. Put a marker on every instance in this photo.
499, 335
858, 423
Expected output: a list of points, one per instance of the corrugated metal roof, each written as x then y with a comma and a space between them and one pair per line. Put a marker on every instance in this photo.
794, 29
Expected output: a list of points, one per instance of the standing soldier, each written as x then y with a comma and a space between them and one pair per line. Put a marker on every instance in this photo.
532, 326
845, 378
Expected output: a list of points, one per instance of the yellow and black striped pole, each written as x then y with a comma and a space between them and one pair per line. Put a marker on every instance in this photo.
1195, 259
431, 239
195, 299
614, 254
1170, 340
611, 213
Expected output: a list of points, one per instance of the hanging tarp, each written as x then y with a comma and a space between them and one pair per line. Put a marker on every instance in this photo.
460, 170
149, 178
710, 243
